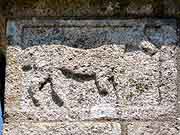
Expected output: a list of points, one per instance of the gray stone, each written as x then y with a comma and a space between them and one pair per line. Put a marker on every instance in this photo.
124, 69
65, 128
153, 128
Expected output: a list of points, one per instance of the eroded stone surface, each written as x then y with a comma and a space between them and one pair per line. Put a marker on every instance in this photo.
153, 128
66, 128
127, 72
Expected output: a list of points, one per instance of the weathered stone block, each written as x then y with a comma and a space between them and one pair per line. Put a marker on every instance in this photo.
153, 128
91, 69
65, 128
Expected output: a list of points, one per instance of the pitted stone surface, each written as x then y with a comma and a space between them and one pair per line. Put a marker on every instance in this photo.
66, 128
153, 128
91, 69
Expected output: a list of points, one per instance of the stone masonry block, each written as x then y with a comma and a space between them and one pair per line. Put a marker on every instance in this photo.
73, 70
153, 128
65, 128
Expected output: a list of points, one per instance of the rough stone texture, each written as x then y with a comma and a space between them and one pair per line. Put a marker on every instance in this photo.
90, 8
153, 128
88, 70
65, 128
178, 71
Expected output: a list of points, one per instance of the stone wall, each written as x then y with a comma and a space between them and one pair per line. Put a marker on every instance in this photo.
91, 8
73, 71
92, 77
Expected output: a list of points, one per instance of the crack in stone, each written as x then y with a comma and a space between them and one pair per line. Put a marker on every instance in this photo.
160, 81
